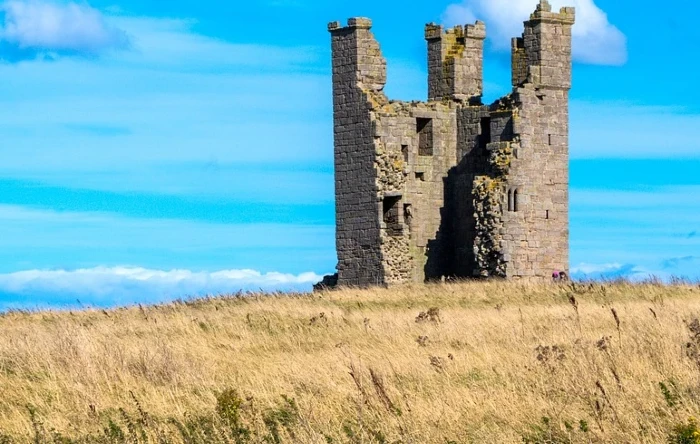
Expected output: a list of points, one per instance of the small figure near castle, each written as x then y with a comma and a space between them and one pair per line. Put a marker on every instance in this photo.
559, 276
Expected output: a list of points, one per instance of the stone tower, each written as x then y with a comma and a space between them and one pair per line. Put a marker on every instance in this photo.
452, 187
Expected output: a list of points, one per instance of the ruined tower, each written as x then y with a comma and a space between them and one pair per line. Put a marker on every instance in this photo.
452, 187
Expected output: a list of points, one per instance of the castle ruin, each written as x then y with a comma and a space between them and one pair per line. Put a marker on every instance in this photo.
452, 187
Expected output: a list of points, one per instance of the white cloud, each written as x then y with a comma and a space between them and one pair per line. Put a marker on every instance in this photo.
35, 28
105, 286
595, 39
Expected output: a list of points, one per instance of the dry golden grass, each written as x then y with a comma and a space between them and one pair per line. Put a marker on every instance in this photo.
362, 366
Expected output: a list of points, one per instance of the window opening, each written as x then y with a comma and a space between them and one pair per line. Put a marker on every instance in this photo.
485, 130
516, 200
392, 218
408, 215
547, 215
420, 176
424, 127
404, 152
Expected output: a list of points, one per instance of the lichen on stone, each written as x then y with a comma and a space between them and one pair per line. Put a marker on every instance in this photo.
500, 157
488, 193
488, 214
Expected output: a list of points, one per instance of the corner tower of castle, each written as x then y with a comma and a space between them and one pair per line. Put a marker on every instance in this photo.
452, 187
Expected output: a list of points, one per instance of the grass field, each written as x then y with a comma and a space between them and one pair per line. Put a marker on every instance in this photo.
474, 362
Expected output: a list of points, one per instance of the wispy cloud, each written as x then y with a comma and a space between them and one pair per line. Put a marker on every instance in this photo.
611, 271
666, 270
39, 239
595, 40
99, 130
107, 286
663, 197
623, 129
675, 262
173, 45
612, 229
584, 268
266, 206
176, 96
43, 29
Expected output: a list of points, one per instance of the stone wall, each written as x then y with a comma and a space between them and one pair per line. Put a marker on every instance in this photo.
537, 227
417, 161
518, 61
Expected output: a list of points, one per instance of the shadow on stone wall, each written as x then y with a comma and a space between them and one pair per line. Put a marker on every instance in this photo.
451, 253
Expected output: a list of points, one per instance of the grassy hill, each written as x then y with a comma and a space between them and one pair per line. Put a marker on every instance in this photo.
472, 362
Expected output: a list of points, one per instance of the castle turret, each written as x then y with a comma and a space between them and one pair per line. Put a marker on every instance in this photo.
536, 225
356, 53
455, 62
542, 56
359, 76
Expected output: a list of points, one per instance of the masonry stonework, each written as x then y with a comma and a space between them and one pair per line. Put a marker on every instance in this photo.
452, 187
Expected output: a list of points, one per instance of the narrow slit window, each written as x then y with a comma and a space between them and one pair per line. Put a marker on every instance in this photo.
516, 200
404, 152
392, 218
424, 128
550, 139
510, 200
408, 215
546, 216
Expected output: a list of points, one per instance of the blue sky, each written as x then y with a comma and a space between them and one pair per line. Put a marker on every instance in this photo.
154, 150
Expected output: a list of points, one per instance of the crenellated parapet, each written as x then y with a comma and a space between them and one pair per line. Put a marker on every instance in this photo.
543, 13
353, 23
